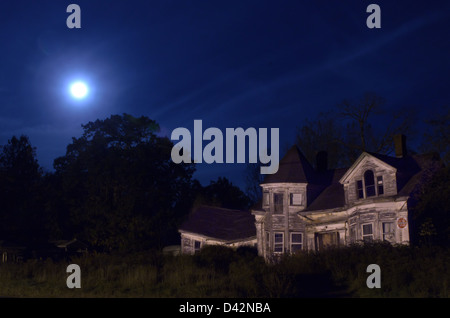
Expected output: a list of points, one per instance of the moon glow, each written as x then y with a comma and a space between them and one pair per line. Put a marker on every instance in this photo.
79, 90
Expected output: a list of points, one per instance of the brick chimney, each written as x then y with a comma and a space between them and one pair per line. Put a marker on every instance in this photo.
400, 145
322, 161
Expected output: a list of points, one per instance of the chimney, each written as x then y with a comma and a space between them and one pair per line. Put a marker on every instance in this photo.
322, 161
400, 145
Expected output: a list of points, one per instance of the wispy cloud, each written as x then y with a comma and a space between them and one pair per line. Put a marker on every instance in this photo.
310, 70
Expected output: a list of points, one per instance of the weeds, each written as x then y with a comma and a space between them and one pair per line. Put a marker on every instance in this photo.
222, 272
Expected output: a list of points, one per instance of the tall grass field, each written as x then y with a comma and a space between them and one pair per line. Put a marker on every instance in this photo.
222, 272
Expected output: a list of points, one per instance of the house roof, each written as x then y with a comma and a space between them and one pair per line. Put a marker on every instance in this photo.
332, 196
293, 168
220, 223
73, 244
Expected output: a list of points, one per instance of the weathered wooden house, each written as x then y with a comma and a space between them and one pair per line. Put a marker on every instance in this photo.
303, 208
306, 208
208, 225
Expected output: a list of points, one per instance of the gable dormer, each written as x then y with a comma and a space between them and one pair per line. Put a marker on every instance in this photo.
369, 177
287, 190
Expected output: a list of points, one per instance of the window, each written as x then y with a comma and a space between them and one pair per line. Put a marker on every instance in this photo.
352, 234
266, 198
369, 183
367, 188
296, 242
295, 199
267, 241
367, 232
359, 189
278, 203
388, 231
380, 185
278, 246
197, 246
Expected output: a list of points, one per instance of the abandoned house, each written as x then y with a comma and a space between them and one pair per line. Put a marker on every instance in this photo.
306, 208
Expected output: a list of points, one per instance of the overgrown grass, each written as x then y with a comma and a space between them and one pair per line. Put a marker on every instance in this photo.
222, 272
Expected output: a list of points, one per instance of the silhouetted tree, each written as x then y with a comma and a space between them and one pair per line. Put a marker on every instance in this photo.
222, 193
121, 189
369, 126
438, 137
356, 126
322, 134
20, 196
431, 214
253, 179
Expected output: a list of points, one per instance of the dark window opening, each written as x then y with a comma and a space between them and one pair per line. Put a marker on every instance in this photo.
296, 242
359, 189
197, 246
278, 203
367, 232
369, 182
278, 246
380, 185
352, 234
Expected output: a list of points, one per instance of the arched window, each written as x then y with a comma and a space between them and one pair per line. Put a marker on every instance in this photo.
369, 182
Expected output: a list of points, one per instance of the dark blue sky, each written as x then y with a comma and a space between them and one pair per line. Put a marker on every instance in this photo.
230, 63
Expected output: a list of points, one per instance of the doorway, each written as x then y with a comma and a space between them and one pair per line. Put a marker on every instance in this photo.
326, 240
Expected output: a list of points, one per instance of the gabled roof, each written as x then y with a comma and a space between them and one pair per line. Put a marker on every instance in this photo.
293, 168
409, 173
220, 223
387, 163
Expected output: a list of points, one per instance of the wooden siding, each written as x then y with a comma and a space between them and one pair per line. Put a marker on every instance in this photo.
371, 163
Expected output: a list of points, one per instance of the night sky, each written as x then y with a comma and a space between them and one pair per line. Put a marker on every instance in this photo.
262, 64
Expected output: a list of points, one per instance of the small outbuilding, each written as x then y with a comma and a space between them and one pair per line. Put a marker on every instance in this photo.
11, 252
207, 225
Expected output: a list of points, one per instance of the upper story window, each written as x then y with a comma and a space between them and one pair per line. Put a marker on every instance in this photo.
380, 185
295, 199
369, 183
278, 203
359, 189
367, 187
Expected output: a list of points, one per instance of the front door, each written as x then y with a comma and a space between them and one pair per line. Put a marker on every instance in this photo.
325, 240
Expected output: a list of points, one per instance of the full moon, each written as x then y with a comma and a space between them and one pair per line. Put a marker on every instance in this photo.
79, 90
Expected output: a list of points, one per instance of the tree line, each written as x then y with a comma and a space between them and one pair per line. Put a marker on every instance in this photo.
116, 188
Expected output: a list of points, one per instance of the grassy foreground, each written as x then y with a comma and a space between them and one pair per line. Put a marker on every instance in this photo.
222, 272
